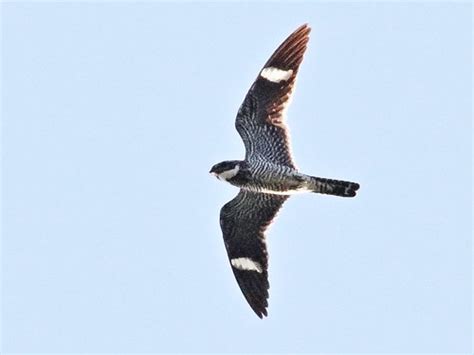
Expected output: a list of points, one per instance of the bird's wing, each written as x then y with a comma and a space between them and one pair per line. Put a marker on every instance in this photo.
261, 117
243, 222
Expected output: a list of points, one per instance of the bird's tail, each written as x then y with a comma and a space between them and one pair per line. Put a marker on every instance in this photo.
332, 187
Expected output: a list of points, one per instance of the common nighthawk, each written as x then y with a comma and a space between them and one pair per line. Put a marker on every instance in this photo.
268, 174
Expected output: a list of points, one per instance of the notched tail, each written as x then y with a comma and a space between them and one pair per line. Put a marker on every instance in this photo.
333, 187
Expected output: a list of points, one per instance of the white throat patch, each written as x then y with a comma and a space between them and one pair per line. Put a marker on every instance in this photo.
276, 75
228, 174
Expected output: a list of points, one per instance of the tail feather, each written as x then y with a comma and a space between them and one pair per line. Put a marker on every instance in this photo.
333, 187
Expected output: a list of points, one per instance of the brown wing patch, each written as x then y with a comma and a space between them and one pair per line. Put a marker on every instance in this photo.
261, 118
288, 56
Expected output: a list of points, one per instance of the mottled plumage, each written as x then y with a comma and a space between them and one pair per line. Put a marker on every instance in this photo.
268, 174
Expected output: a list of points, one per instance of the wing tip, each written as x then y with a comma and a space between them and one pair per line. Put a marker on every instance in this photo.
301, 33
305, 29
257, 295
289, 54
261, 312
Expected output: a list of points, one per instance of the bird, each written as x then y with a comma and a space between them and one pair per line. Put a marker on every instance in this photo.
267, 176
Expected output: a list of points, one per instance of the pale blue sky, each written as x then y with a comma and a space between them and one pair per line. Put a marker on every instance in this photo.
112, 115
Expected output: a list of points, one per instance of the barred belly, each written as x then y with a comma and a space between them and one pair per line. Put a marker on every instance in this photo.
275, 179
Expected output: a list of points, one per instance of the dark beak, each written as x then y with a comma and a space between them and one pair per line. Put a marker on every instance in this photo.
213, 170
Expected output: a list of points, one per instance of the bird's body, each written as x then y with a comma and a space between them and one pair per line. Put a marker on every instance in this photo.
267, 176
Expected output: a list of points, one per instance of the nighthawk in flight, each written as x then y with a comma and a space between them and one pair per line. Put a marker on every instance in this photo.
268, 174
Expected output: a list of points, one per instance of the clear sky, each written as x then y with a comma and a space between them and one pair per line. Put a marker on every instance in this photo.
112, 115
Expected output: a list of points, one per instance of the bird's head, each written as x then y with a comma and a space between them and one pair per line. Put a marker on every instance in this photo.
226, 170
